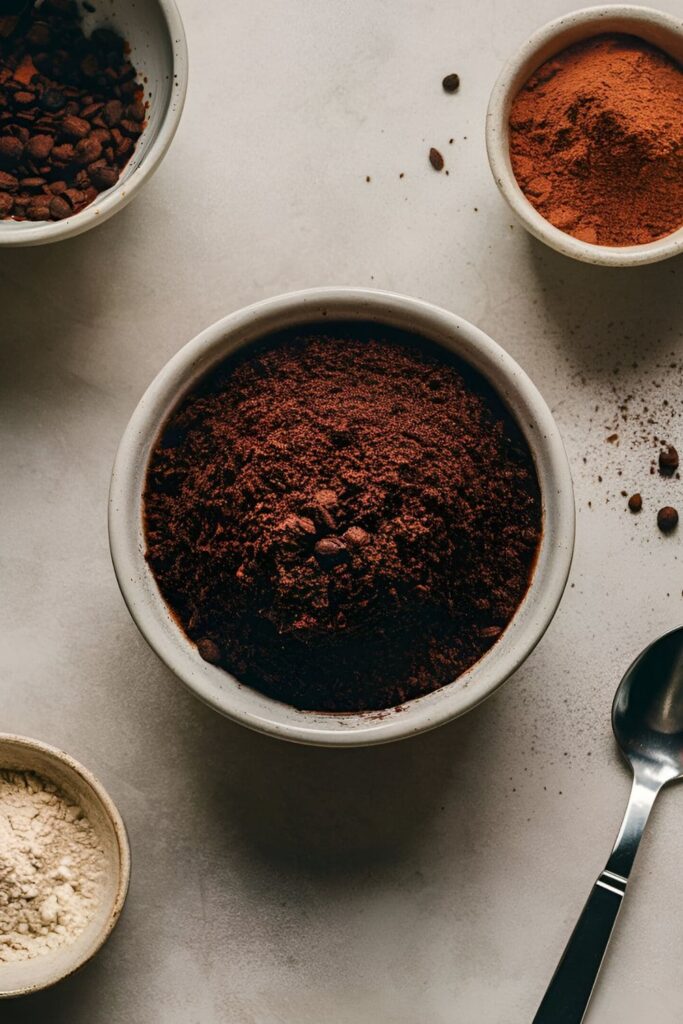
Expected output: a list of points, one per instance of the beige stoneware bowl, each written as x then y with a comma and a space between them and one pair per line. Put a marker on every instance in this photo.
221, 690
155, 32
18, 752
664, 31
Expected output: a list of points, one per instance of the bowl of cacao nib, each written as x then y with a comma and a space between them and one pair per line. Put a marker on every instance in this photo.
342, 516
91, 95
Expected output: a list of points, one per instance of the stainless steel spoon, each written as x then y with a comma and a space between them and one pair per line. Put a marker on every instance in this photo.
647, 719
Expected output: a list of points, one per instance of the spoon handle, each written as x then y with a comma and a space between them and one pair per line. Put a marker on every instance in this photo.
569, 992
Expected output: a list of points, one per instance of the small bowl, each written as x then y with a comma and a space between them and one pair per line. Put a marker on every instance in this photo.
26, 976
221, 690
158, 50
663, 31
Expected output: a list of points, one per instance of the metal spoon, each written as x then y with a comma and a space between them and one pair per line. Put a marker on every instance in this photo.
647, 719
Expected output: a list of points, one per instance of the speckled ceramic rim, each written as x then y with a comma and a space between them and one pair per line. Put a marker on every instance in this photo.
216, 687
112, 814
109, 203
664, 31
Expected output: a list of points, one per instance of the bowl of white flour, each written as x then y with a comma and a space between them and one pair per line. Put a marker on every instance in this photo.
64, 865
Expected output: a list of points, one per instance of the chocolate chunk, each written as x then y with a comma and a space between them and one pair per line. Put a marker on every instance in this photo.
635, 503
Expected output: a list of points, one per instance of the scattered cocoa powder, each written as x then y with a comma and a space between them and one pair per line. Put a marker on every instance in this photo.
71, 111
596, 141
344, 517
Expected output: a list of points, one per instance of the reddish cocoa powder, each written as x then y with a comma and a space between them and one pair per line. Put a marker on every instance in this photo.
596, 141
344, 518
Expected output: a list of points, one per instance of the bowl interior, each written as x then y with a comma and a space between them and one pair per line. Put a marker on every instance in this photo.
153, 52
15, 978
659, 29
214, 685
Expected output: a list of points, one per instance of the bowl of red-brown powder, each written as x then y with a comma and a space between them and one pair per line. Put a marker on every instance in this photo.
585, 135
342, 516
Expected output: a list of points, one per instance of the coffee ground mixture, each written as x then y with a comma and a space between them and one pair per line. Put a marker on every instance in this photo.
71, 112
596, 141
342, 518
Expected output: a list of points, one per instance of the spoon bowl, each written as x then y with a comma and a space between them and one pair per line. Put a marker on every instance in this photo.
647, 714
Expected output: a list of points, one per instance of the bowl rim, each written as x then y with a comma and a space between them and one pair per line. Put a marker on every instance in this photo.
216, 687
123, 845
41, 233
573, 26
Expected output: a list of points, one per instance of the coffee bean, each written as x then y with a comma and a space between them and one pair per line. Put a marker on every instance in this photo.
87, 151
331, 551
11, 151
52, 100
635, 503
102, 175
60, 208
490, 632
39, 147
38, 212
435, 159
667, 519
130, 128
75, 128
297, 531
38, 36
112, 112
668, 460
136, 111
451, 83
24, 98
32, 183
209, 650
6, 204
8, 183
123, 150
356, 537
63, 154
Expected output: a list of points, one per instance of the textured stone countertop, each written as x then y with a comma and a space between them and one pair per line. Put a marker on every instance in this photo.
435, 880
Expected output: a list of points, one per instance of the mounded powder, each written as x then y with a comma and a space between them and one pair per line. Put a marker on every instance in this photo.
51, 867
596, 141
343, 517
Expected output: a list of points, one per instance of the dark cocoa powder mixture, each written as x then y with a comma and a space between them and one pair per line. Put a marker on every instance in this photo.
342, 518
71, 111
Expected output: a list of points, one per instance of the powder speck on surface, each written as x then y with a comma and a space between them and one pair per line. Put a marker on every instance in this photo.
51, 867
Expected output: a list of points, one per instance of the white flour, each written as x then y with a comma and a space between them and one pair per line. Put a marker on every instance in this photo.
51, 867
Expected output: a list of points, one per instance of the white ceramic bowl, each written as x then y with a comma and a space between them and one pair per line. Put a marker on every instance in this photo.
664, 31
215, 686
156, 36
24, 754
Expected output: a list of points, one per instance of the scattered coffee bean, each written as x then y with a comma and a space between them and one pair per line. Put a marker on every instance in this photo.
75, 128
331, 551
668, 460
635, 503
39, 147
451, 83
209, 651
667, 519
435, 159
